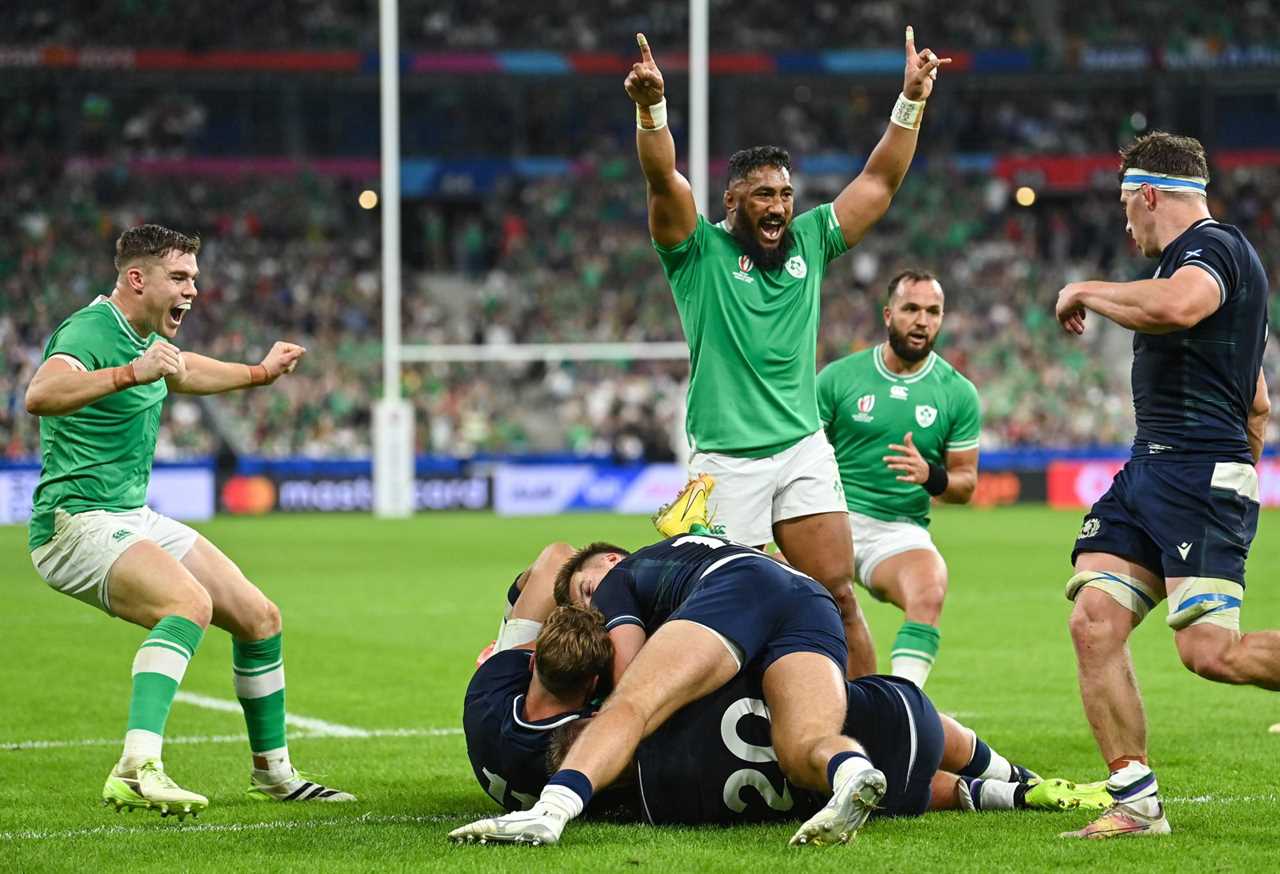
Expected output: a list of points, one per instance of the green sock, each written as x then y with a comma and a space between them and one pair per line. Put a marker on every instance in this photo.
259, 675
158, 668
914, 650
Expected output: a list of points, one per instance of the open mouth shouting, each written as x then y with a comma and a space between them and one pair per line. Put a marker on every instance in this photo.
176, 314
771, 228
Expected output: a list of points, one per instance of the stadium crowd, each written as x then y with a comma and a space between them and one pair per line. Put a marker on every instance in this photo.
558, 260
1050, 27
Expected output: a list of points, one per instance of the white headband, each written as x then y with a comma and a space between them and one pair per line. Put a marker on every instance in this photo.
1135, 178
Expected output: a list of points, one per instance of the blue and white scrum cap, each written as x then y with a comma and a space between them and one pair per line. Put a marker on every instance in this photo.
1135, 178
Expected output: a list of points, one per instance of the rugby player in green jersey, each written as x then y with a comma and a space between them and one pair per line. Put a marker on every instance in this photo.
106, 372
748, 290
904, 424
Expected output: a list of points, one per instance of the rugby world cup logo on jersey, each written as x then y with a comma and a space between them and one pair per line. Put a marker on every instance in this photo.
865, 405
925, 415
744, 268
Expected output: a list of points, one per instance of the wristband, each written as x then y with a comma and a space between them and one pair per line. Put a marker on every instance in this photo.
258, 374
936, 484
124, 376
907, 113
652, 117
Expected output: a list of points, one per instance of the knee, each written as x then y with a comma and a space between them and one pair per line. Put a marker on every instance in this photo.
266, 622
1094, 625
1206, 656
189, 601
926, 598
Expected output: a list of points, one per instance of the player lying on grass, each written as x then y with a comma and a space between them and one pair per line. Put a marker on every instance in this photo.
707, 607
106, 372
713, 761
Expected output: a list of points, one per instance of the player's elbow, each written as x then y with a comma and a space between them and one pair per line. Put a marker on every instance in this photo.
37, 401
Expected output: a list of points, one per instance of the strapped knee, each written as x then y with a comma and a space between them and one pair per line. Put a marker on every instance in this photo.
1206, 599
1129, 592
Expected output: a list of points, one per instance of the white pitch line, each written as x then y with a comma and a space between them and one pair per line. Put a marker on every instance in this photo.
283, 825
318, 726
222, 738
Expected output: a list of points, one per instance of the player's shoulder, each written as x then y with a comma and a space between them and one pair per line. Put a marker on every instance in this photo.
1211, 232
819, 219
946, 372
95, 315
506, 672
849, 363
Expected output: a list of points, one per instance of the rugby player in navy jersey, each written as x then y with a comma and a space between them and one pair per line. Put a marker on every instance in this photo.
519, 695
713, 761
1179, 517
706, 607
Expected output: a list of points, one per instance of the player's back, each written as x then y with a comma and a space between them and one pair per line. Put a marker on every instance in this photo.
713, 762
661, 576
507, 751
1192, 389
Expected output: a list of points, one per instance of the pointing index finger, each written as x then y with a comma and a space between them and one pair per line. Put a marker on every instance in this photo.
645, 54
911, 41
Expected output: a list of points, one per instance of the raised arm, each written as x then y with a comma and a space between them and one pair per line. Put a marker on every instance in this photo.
864, 200
63, 385
673, 216
1259, 412
201, 375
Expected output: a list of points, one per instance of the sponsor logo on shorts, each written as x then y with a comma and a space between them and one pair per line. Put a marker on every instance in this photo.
1090, 527
925, 415
121, 534
744, 268
796, 267
865, 405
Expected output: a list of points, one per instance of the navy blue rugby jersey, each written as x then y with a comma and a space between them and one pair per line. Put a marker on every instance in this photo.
646, 587
508, 753
712, 762
1192, 389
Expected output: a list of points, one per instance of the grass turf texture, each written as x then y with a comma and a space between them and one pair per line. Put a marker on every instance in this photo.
383, 621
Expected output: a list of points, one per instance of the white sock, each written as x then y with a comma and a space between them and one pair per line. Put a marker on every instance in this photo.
998, 769
139, 746
561, 801
278, 769
911, 668
849, 769
1135, 785
995, 795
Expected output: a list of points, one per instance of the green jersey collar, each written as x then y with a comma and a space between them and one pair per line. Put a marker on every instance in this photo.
883, 370
123, 322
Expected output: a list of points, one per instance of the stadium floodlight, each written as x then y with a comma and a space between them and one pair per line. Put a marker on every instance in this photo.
392, 415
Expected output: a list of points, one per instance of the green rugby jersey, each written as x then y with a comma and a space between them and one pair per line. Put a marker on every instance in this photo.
99, 457
752, 334
865, 407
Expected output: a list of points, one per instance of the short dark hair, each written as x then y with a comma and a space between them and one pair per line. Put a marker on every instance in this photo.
1163, 152
572, 649
573, 565
152, 241
911, 274
744, 161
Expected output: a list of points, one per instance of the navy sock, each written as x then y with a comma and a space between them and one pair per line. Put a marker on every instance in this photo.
980, 761
575, 781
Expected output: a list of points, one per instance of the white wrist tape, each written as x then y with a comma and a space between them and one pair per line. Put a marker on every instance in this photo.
907, 113
657, 116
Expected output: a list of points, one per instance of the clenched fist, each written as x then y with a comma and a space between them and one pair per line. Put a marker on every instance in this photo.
161, 360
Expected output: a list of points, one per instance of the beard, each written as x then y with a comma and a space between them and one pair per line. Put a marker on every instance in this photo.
908, 353
765, 259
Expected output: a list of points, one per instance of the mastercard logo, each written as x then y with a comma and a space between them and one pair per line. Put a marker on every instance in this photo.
249, 495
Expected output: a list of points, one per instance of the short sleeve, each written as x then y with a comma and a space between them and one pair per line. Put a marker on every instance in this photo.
615, 597
821, 224
676, 259
966, 424
826, 396
81, 339
1215, 252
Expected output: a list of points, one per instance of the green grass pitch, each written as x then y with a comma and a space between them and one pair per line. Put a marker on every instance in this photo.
383, 621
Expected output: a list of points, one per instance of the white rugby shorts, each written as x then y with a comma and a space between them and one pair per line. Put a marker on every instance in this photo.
85, 545
874, 540
751, 494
